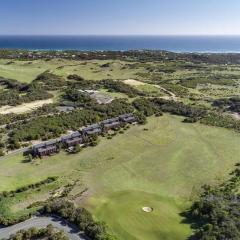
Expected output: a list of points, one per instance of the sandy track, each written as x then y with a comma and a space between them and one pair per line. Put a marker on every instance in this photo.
26, 107
133, 82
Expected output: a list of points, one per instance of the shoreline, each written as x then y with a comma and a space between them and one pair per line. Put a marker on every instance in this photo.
178, 44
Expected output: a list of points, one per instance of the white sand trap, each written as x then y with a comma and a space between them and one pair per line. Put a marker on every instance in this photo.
147, 209
133, 82
25, 107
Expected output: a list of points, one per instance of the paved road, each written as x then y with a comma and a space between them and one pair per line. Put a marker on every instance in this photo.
39, 222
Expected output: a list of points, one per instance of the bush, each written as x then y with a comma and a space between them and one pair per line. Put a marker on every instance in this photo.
215, 215
79, 216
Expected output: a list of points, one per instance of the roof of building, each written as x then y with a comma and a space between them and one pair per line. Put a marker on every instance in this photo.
126, 115
112, 124
51, 142
70, 136
65, 108
111, 120
72, 140
91, 127
45, 144
93, 131
44, 149
39, 145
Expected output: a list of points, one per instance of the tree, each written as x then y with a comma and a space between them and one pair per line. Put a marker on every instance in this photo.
1, 153
77, 148
29, 157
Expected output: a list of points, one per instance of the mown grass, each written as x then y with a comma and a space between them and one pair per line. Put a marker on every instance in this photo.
162, 167
132, 223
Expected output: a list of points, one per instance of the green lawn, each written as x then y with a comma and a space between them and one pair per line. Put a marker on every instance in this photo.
22, 70
162, 168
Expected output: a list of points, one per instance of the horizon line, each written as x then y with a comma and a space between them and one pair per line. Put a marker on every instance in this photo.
120, 35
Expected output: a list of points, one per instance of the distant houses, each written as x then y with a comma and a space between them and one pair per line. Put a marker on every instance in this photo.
80, 137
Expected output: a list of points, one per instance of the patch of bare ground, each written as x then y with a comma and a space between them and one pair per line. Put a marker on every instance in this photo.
171, 95
133, 82
25, 107
235, 115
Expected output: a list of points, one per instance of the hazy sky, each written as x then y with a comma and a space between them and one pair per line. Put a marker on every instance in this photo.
155, 17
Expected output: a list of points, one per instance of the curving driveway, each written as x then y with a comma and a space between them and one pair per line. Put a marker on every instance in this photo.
71, 230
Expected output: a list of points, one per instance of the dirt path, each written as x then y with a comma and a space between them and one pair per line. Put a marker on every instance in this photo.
133, 82
172, 96
24, 107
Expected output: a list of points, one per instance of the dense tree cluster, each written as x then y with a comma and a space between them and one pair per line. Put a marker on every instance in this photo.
220, 120
49, 81
145, 106
118, 86
142, 56
181, 109
12, 84
15, 93
193, 82
14, 97
11, 118
230, 104
52, 126
48, 233
78, 98
81, 84
215, 216
76, 77
79, 216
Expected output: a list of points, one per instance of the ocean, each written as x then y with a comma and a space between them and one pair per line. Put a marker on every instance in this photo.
215, 44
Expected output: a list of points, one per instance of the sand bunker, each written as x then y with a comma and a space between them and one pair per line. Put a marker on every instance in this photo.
147, 209
133, 82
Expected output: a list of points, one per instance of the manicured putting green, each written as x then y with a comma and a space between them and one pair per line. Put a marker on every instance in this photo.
129, 221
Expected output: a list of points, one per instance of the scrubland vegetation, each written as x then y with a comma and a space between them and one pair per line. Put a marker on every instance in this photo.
188, 109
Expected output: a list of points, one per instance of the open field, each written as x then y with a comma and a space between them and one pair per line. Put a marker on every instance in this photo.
162, 167
26, 71
199, 82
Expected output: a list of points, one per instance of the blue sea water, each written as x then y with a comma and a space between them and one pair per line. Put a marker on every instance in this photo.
98, 43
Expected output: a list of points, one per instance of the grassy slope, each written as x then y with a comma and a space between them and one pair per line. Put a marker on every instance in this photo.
21, 70
90, 70
161, 168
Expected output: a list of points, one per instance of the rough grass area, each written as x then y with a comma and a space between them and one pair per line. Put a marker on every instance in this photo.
26, 71
162, 167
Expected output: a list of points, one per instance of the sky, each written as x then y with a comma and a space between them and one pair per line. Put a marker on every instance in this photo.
119, 17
